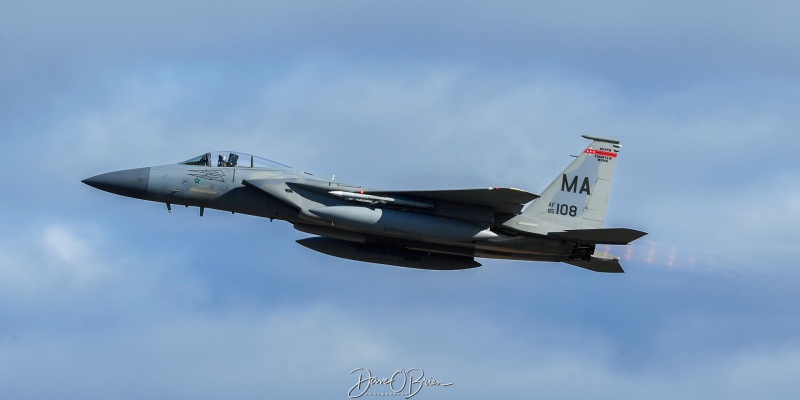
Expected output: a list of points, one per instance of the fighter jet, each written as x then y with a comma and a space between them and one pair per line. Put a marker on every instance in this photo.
426, 229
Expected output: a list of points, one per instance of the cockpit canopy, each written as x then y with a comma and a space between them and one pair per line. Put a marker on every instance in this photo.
234, 159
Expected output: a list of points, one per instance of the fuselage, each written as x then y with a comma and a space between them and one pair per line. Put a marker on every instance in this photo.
430, 229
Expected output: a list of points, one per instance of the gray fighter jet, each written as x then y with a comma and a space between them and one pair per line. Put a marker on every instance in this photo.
428, 229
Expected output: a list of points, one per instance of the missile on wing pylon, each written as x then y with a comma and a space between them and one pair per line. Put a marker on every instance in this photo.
368, 198
390, 255
405, 224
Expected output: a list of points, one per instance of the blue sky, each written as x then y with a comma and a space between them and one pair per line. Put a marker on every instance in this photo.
103, 296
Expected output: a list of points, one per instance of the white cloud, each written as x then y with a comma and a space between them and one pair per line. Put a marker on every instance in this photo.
280, 351
54, 259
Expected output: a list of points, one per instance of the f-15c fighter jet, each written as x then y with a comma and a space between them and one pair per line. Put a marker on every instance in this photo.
428, 229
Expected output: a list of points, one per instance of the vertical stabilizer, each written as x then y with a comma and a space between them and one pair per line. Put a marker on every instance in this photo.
578, 197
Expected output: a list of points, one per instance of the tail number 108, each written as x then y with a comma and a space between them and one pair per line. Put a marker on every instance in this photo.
562, 209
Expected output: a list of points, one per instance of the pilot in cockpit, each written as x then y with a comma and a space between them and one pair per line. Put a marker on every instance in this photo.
221, 161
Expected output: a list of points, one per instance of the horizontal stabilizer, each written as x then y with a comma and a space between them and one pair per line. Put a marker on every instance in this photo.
598, 264
600, 236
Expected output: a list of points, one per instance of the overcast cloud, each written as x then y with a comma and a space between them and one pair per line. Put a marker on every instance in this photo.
108, 297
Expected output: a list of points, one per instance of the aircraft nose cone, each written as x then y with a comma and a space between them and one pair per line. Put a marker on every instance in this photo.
129, 182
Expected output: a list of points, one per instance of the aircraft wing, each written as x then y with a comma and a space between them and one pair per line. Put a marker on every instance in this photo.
501, 200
